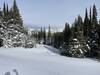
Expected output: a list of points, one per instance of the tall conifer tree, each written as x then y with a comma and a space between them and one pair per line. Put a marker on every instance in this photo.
16, 15
86, 24
49, 35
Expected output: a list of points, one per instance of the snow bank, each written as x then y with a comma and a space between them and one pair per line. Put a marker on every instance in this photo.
41, 61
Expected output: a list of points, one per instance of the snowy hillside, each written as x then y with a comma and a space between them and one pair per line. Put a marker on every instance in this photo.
42, 61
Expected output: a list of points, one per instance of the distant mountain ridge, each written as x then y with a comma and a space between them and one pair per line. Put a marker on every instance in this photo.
38, 27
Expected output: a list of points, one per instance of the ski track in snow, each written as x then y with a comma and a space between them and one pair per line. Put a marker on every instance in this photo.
44, 60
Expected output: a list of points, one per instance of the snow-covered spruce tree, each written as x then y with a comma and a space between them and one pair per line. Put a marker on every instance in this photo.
30, 42
78, 46
94, 36
12, 31
16, 36
66, 36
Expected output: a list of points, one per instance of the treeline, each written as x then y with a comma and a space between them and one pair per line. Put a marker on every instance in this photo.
81, 39
43, 36
7, 14
12, 31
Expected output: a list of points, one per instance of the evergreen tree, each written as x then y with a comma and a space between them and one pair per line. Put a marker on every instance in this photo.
90, 24
90, 16
99, 34
66, 33
66, 37
44, 35
94, 34
7, 12
74, 29
16, 15
94, 16
10, 13
55, 38
4, 13
12, 33
49, 36
40, 35
86, 24
78, 46
77, 26
57, 42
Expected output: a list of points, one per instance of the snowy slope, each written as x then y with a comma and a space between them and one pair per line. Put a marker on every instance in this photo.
41, 61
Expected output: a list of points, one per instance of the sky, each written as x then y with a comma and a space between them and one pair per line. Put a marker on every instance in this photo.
52, 12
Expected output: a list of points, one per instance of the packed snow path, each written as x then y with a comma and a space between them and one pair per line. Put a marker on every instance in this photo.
41, 61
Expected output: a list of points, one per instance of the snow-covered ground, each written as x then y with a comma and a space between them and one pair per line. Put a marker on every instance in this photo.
42, 61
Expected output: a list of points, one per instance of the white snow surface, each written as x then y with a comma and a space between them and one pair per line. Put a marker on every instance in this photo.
42, 61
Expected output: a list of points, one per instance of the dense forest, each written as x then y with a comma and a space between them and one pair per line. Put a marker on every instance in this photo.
81, 39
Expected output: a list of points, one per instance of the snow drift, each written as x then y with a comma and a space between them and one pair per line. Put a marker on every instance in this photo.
41, 61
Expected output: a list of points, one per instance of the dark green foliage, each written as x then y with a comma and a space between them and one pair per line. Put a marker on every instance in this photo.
86, 24
94, 37
57, 42
44, 36
94, 16
78, 46
49, 36
66, 33
77, 26
66, 37
82, 39
16, 15
40, 35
